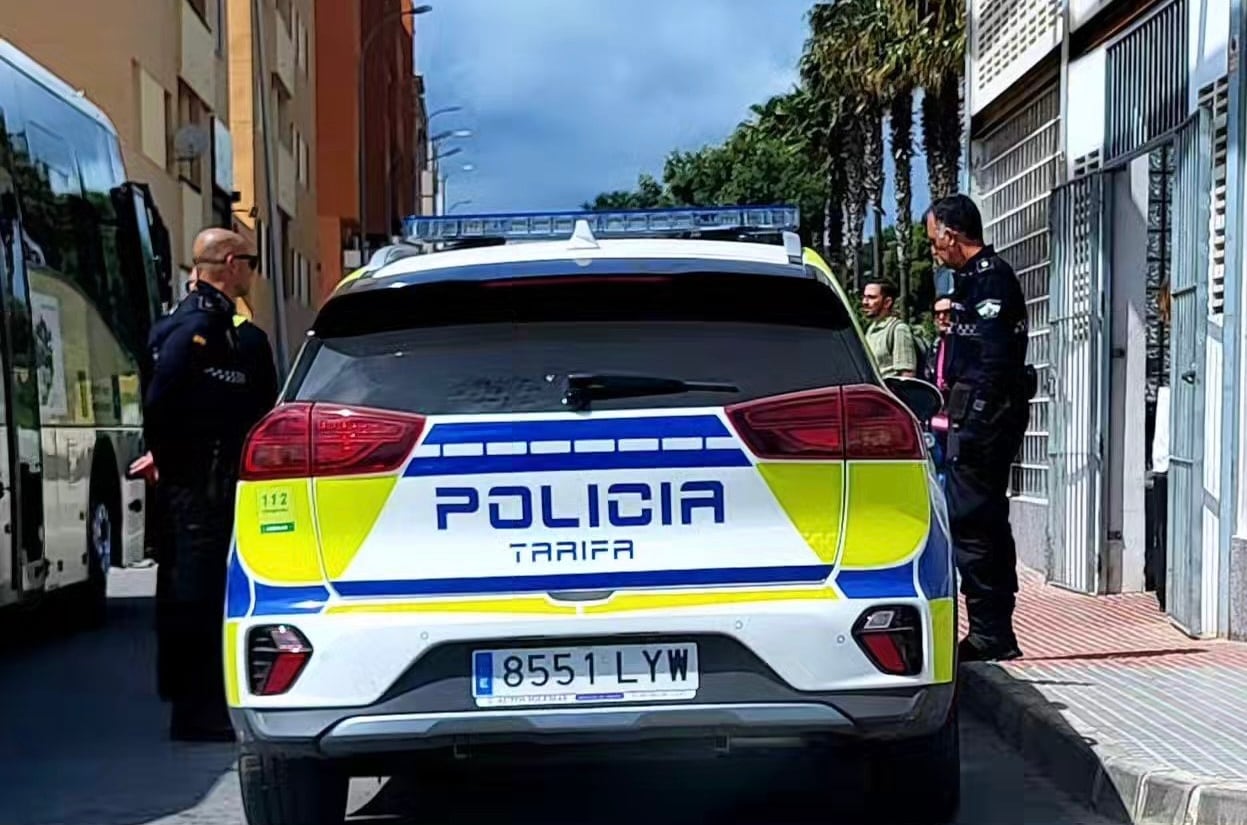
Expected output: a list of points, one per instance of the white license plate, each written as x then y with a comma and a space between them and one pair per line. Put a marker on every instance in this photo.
578, 675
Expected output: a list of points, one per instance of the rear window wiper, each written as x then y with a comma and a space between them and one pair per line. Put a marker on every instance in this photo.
583, 388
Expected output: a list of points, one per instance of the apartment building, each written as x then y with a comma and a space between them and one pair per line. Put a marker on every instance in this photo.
271, 48
159, 70
1105, 143
395, 134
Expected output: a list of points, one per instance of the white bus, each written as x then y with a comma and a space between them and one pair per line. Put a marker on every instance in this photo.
84, 269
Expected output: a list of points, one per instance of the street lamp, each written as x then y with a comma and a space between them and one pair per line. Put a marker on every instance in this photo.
467, 167
363, 157
445, 110
450, 133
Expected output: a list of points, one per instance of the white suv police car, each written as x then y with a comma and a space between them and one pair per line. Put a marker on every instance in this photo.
615, 484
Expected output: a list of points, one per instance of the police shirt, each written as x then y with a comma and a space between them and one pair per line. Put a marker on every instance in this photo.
987, 342
196, 409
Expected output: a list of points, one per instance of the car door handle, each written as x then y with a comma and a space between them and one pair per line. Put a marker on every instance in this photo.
1189, 376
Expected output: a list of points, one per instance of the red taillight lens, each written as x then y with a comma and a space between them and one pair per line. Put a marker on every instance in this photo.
350, 441
279, 446
301, 440
891, 637
879, 426
276, 655
857, 422
802, 425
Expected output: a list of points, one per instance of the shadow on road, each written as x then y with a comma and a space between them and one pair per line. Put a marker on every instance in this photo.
85, 735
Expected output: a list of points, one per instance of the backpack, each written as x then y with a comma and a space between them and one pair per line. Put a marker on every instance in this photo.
922, 350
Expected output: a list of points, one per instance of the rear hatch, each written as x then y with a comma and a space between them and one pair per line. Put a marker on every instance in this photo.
448, 457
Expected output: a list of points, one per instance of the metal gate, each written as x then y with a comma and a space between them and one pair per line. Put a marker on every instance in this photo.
1189, 313
1078, 354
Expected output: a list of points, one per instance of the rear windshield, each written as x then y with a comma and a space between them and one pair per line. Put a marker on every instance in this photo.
466, 348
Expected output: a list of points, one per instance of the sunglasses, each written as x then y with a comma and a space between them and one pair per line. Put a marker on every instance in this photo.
252, 261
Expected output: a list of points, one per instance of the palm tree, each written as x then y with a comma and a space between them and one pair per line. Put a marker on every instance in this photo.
937, 56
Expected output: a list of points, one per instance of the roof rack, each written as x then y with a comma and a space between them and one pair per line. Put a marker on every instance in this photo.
757, 224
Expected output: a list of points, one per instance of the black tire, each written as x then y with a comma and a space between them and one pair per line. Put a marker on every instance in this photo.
103, 543
917, 781
281, 791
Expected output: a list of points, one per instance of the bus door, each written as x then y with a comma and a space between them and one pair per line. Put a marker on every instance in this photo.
21, 467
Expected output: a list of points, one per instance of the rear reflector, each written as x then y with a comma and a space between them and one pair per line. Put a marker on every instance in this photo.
300, 440
855, 422
276, 655
891, 637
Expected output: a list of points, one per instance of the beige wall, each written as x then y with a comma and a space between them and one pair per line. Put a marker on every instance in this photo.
290, 56
127, 56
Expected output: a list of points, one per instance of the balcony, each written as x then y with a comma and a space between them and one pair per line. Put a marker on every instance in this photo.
286, 181
198, 64
285, 56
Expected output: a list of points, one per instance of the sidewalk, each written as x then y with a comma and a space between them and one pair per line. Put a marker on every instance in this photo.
1124, 711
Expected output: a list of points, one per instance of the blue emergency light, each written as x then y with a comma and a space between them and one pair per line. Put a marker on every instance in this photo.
621, 223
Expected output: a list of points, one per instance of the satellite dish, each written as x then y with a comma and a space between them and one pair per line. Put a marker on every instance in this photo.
190, 141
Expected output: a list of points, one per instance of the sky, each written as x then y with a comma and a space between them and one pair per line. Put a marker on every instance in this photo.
569, 98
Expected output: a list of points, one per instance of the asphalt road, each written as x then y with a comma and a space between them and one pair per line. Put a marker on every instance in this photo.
82, 742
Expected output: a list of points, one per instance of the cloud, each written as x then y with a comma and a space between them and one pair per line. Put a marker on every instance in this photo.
572, 97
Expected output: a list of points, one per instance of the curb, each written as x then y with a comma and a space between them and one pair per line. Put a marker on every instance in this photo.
1119, 788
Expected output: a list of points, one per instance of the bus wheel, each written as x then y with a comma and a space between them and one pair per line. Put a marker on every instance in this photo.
103, 535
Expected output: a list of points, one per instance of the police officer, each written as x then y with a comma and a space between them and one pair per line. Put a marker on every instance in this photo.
199, 404
988, 410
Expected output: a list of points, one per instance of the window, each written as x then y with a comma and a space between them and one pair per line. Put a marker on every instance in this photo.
301, 47
154, 126
220, 27
282, 116
88, 316
191, 112
300, 148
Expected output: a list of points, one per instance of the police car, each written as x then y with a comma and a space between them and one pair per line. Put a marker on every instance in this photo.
590, 478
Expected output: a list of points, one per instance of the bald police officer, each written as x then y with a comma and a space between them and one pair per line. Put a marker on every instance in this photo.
988, 409
199, 404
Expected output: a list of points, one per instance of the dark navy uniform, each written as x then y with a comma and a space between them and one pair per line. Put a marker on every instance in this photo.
988, 409
199, 403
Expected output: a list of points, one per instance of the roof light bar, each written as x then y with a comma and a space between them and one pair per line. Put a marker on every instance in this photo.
629, 223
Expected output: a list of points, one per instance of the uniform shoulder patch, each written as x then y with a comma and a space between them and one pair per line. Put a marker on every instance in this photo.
984, 264
988, 309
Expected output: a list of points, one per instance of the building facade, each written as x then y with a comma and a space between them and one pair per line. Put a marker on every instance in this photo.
378, 35
1105, 151
271, 47
168, 95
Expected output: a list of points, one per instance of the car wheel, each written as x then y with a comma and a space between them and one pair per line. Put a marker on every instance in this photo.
918, 780
290, 791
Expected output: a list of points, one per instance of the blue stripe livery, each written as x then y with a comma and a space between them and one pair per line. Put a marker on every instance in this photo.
935, 567
472, 465
888, 582
277, 601
800, 574
237, 589
681, 426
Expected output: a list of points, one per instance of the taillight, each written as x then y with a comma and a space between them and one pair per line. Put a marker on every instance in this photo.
855, 422
879, 426
279, 446
891, 637
301, 440
276, 655
802, 425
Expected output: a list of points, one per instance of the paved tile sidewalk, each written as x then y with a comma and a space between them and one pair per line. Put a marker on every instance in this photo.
1142, 722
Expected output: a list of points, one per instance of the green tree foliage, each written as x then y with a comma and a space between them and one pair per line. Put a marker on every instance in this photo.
821, 145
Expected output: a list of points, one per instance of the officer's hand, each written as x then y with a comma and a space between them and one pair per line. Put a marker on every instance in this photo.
144, 467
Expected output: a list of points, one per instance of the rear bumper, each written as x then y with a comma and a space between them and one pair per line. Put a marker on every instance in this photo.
399, 725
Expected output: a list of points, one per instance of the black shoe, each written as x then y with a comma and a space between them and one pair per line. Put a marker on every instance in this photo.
971, 650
